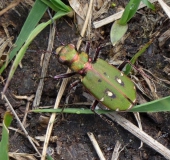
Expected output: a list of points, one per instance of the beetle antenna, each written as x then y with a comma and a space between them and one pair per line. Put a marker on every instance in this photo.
57, 35
65, 75
56, 32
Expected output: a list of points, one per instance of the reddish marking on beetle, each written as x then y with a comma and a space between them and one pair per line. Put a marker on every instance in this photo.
87, 66
75, 58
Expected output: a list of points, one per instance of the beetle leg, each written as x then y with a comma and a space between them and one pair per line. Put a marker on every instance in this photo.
87, 47
75, 83
95, 102
57, 35
65, 75
121, 66
96, 54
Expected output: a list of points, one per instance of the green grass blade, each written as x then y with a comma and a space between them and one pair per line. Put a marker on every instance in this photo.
117, 32
49, 157
61, 6
127, 69
72, 111
148, 4
129, 11
34, 16
22, 51
51, 5
160, 105
5, 136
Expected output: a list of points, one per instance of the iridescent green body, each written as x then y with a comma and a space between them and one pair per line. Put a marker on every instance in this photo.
106, 83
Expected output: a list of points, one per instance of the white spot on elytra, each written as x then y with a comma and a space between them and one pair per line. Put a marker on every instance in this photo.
121, 74
117, 109
109, 93
130, 106
119, 80
102, 99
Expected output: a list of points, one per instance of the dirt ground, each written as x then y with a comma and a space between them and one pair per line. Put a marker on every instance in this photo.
70, 130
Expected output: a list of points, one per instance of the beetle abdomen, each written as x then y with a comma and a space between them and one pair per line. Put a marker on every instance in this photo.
110, 86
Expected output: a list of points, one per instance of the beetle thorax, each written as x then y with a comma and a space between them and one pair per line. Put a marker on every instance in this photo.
79, 62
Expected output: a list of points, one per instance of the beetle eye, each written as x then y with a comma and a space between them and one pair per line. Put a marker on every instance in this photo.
72, 45
58, 50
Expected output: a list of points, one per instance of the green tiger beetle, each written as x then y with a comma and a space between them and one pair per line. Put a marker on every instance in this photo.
106, 83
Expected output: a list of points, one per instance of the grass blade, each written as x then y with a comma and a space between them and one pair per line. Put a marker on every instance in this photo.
127, 69
37, 12
160, 105
5, 136
129, 11
72, 111
117, 32
61, 6
22, 51
148, 4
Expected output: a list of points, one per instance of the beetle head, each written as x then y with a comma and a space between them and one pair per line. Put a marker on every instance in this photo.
66, 54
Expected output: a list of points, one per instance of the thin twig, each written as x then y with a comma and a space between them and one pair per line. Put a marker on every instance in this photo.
165, 7
116, 152
140, 134
45, 66
85, 24
29, 99
22, 133
114, 17
26, 113
96, 146
138, 119
11, 5
24, 130
50, 125
52, 118
61, 91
